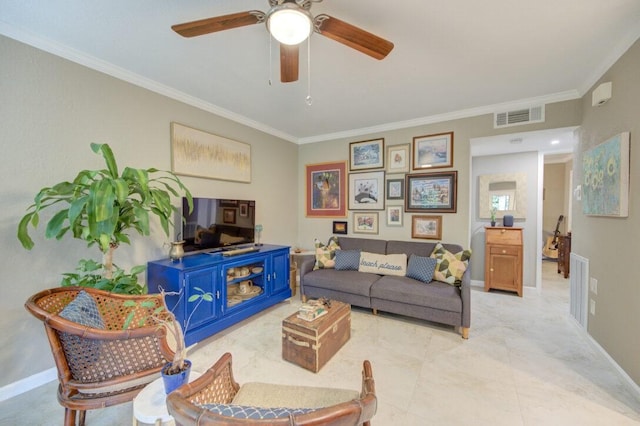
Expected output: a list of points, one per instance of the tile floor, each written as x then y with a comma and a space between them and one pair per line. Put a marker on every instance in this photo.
526, 363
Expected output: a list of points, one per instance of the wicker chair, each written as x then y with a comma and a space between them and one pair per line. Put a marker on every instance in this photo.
99, 368
217, 386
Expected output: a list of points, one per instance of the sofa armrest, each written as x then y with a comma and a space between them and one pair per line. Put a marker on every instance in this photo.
305, 266
465, 294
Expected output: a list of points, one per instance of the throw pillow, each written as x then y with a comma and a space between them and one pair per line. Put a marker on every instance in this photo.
248, 412
383, 264
421, 268
450, 267
83, 310
325, 255
347, 260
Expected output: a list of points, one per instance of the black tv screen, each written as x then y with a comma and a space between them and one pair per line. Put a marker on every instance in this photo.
217, 223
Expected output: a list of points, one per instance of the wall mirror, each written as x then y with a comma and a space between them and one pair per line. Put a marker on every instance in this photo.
507, 192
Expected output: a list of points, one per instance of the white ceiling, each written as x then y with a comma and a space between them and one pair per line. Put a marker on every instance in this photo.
451, 58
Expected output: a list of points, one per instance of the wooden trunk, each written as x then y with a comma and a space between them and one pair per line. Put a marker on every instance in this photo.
310, 344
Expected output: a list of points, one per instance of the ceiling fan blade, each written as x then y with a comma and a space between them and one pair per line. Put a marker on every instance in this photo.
218, 23
354, 37
289, 63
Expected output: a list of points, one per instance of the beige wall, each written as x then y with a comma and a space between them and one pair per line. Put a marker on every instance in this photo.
51, 110
611, 244
554, 199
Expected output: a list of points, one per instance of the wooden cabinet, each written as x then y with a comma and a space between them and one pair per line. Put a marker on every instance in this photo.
564, 253
503, 259
266, 268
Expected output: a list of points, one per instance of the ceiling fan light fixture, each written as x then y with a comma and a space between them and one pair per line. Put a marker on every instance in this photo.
289, 23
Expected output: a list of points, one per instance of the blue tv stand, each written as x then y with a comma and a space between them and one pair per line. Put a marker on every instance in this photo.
268, 269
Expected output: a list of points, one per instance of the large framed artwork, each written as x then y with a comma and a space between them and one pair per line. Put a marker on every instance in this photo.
431, 192
201, 154
605, 178
326, 189
366, 154
433, 151
366, 191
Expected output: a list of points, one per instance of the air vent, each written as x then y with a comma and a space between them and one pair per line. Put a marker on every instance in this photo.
518, 117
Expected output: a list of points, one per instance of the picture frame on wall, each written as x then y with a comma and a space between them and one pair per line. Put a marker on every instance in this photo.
431, 192
244, 209
202, 154
398, 159
340, 227
366, 154
365, 222
366, 191
229, 216
426, 227
326, 189
433, 151
394, 216
395, 189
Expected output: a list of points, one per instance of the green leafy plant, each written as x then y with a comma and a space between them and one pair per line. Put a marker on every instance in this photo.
100, 207
165, 318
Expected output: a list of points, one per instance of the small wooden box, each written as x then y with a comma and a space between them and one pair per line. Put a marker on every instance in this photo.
310, 344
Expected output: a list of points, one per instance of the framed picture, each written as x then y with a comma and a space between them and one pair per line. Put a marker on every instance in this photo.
605, 171
244, 209
394, 216
366, 191
201, 154
326, 189
433, 151
426, 227
365, 222
431, 192
398, 158
366, 155
395, 189
340, 228
229, 215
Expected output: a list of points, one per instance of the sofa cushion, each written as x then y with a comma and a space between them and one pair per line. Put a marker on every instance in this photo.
255, 413
353, 282
437, 295
383, 264
347, 260
325, 255
421, 268
450, 267
364, 244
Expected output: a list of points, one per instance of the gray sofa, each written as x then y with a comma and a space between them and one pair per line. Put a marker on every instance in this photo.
436, 301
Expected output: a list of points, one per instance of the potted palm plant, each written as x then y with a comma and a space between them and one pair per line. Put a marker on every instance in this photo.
100, 207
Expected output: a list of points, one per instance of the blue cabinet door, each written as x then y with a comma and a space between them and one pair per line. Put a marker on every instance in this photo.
280, 272
201, 311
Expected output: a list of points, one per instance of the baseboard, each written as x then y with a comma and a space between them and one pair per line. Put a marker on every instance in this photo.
632, 384
28, 383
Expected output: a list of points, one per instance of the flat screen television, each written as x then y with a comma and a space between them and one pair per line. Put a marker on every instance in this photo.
216, 224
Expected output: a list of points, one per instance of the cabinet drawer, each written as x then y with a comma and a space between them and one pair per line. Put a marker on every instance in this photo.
506, 250
503, 236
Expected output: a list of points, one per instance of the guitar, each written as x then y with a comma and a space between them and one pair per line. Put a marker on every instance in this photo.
551, 248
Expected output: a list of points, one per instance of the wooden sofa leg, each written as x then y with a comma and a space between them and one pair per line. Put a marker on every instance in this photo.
304, 298
465, 332
375, 311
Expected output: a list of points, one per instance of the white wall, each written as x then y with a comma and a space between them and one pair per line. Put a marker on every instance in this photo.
51, 110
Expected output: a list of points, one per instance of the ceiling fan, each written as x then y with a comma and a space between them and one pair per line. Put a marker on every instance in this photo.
296, 11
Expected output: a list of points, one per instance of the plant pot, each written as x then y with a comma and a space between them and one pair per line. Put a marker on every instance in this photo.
174, 381
493, 223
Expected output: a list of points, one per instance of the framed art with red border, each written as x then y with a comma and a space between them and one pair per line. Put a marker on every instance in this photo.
326, 189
